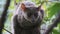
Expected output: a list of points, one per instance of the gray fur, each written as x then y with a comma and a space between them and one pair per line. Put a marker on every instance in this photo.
23, 25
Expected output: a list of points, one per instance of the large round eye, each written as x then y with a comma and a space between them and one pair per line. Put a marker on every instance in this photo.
36, 15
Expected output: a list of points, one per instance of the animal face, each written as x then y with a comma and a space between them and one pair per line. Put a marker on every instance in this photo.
31, 13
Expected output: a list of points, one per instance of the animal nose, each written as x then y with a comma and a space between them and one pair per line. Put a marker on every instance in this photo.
33, 18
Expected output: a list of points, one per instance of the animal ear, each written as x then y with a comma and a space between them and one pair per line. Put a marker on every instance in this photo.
23, 7
39, 7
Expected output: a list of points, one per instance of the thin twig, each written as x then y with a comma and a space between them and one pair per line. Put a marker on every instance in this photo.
7, 31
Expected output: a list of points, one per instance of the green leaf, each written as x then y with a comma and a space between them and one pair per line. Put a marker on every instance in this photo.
53, 10
55, 31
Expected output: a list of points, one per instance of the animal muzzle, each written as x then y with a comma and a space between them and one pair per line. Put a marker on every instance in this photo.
33, 19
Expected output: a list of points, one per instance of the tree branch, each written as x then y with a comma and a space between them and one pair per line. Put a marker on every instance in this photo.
55, 23
4, 15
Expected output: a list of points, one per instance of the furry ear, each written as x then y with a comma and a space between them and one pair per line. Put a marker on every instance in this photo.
23, 7
39, 7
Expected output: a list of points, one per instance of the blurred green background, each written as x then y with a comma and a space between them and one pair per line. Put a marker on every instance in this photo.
50, 9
